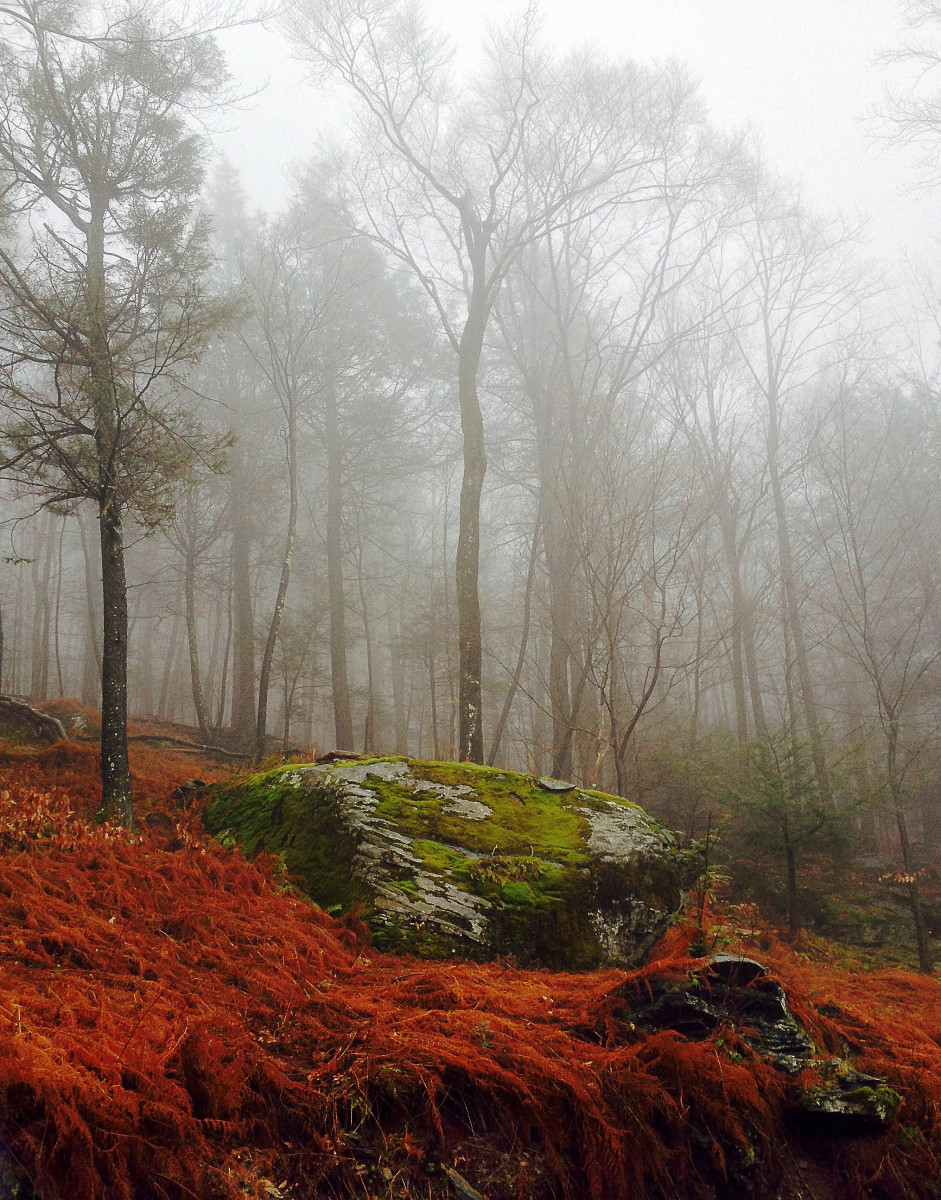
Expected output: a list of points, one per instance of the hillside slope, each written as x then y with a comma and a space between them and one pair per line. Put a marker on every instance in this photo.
173, 1023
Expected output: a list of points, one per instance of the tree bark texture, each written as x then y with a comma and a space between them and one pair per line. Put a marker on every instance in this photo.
470, 650
116, 795
189, 591
267, 661
792, 612
243, 712
91, 666
342, 711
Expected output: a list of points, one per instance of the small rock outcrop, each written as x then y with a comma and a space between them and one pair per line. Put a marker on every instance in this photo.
846, 1102
733, 990
20, 722
451, 858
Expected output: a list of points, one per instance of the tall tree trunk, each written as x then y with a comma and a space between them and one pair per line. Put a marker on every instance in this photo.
91, 659
41, 573
397, 670
145, 651
287, 701
342, 712
563, 752
35, 575
218, 649
267, 661
791, 599
470, 649
730, 551
695, 716
309, 706
433, 701
369, 723
167, 678
560, 571
908, 862
192, 638
243, 712
116, 796
524, 639
58, 611
226, 654
751, 669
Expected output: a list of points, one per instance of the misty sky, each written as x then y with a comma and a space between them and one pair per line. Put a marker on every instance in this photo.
800, 72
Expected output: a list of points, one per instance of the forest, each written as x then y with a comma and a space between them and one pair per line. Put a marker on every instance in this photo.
546, 428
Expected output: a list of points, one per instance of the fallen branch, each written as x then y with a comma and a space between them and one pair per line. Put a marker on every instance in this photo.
183, 744
460, 1184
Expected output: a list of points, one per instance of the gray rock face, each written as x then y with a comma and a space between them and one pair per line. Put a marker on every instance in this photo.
449, 858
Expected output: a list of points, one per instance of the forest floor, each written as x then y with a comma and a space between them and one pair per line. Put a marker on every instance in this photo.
178, 1022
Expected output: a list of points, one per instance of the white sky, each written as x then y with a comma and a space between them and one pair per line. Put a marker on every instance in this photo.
800, 72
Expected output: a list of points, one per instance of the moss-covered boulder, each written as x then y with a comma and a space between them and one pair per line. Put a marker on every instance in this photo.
450, 858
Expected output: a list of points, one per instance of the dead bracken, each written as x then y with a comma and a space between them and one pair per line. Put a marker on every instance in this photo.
173, 1022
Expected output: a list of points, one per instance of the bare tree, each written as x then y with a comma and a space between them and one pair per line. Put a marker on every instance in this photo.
582, 316
440, 186
704, 389
803, 288
910, 114
872, 489
196, 528
227, 207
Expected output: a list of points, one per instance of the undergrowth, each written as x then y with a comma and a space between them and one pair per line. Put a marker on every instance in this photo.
175, 1024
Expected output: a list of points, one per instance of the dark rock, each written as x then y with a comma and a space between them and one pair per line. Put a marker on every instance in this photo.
555, 785
734, 970
850, 1080
730, 989
846, 1102
187, 789
451, 858
735, 990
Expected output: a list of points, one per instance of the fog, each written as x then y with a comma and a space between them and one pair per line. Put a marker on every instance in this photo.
562, 408
805, 77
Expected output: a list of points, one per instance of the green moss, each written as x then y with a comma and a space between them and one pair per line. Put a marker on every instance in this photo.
528, 858
517, 891
405, 885
526, 819
882, 1097
441, 859
266, 812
